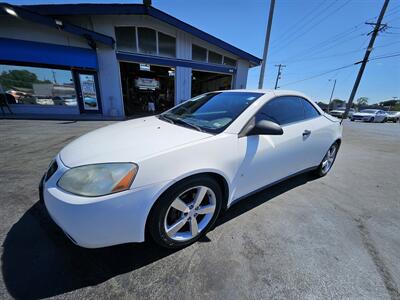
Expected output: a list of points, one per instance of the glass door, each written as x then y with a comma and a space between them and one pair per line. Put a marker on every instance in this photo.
89, 100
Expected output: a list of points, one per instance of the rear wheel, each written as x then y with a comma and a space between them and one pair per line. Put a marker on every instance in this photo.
384, 120
328, 160
185, 212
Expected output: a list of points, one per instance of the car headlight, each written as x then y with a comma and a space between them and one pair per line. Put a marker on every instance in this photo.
98, 179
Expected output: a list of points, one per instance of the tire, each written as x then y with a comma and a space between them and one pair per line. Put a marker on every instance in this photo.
321, 171
384, 120
352, 119
165, 215
372, 120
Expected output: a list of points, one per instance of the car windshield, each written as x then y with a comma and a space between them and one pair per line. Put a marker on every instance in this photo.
369, 111
211, 112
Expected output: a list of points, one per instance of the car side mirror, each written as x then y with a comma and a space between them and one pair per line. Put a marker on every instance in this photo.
262, 127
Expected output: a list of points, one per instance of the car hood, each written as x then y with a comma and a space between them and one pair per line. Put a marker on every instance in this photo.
128, 141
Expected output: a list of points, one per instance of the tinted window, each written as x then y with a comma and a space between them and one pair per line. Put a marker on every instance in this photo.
166, 45
126, 38
199, 53
211, 112
147, 40
214, 58
282, 110
309, 110
229, 61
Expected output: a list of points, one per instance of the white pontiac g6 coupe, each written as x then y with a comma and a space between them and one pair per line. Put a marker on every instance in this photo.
168, 177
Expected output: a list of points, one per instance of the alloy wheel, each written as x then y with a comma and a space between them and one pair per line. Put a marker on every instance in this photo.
190, 213
329, 159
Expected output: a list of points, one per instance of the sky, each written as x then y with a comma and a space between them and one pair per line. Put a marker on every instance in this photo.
310, 37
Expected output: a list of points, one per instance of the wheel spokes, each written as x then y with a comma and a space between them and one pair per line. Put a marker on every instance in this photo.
178, 204
194, 226
206, 209
201, 192
173, 229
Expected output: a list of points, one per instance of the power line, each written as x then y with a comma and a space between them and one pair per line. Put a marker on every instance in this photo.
304, 19
320, 74
331, 42
317, 22
340, 68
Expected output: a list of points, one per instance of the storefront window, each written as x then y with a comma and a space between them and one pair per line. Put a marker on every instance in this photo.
199, 53
38, 86
166, 45
147, 40
229, 61
126, 38
214, 58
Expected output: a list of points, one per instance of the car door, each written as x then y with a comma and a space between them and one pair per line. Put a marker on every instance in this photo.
318, 138
269, 158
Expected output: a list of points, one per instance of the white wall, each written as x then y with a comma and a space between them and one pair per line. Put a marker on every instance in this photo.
109, 74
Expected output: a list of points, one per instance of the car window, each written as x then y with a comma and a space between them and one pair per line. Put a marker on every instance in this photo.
211, 112
282, 110
309, 110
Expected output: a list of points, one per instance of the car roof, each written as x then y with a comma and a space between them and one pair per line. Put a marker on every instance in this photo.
269, 91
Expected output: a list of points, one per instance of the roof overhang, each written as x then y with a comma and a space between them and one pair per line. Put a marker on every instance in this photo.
139, 9
27, 14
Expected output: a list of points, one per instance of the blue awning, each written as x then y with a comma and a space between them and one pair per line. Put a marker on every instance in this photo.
12, 50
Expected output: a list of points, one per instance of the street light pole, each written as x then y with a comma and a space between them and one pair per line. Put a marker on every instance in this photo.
266, 45
333, 90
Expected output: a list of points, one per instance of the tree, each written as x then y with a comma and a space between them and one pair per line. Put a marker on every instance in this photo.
362, 101
19, 79
336, 103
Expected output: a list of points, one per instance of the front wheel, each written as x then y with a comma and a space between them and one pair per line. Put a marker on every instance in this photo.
372, 120
185, 212
328, 160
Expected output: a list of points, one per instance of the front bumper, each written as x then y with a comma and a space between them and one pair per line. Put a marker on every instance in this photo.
94, 222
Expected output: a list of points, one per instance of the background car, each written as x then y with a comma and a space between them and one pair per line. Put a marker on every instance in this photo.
370, 115
169, 176
393, 116
338, 113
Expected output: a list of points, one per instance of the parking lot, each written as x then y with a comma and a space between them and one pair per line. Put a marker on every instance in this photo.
306, 238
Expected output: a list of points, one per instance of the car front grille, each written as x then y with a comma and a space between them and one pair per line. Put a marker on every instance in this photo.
52, 169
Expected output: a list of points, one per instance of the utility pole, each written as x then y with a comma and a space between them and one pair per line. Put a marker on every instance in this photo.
377, 28
266, 45
333, 90
278, 76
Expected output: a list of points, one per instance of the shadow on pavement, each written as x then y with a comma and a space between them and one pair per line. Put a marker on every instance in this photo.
38, 261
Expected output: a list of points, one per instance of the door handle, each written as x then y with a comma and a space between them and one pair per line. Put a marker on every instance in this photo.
306, 132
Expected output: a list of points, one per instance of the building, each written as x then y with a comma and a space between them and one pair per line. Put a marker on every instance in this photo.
109, 60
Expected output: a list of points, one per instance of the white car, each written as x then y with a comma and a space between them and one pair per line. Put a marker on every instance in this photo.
370, 115
169, 176
393, 116
338, 113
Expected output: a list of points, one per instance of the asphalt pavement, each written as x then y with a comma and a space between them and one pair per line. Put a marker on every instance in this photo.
306, 238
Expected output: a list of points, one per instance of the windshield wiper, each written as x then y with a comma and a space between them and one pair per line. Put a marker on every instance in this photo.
181, 121
162, 117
